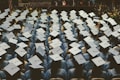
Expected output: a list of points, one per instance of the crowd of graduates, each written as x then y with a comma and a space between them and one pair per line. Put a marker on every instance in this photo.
38, 44
42, 44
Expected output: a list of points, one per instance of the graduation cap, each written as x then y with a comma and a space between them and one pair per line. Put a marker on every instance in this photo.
74, 50
98, 61
83, 14
22, 45
24, 39
40, 44
55, 43
10, 29
36, 66
116, 28
81, 27
78, 21
15, 61
67, 25
44, 10
63, 13
115, 34
27, 34
40, 51
56, 57
20, 51
73, 16
103, 38
88, 39
72, 11
41, 37
95, 31
10, 35
41, 30
117, 59
11, 69
4, 45
80, 59
54, 33
113, 51
35, 60
17, 26
75, 44
108, 32
112, 21
104, 16
42, 25
13, 41
34, 13
84, 33
92, 14
71, 37
104, 44
54, 11
93, 51
2, 51
57, 50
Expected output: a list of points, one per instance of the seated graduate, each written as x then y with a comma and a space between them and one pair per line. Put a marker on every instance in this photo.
12, 72
114, 72
77, 71
56, 70
36, 69
97, 73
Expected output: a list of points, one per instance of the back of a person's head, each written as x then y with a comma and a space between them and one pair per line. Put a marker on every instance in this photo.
55, 66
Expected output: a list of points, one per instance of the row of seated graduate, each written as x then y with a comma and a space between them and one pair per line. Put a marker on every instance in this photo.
40, 45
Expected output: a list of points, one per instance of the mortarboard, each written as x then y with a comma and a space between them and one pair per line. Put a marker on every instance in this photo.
98, 61
15, 61
80, 59
20, 51
11, 69
35, 60
56, 57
